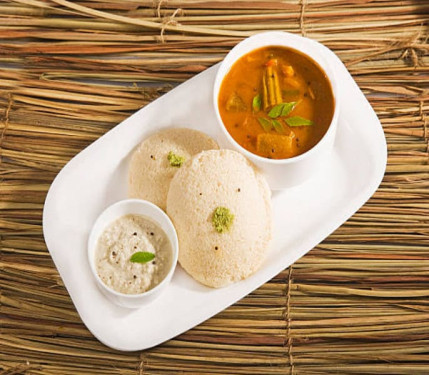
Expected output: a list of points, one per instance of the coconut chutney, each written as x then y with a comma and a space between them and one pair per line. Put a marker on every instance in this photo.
124, 237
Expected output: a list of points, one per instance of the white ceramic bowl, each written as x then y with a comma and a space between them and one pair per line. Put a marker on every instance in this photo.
284, 173
110, 214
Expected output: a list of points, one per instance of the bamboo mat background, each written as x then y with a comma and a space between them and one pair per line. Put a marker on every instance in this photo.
357, 303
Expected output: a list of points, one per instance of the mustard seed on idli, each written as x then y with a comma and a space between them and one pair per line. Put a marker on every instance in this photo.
221, 208
159, 157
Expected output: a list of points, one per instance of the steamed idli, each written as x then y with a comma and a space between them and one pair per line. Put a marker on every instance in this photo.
159, 157
221, 208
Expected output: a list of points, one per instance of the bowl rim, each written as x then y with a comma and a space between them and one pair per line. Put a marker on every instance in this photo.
330, 74
92, 242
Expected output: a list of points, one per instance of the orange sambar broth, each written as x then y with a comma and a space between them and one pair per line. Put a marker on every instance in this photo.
308, 86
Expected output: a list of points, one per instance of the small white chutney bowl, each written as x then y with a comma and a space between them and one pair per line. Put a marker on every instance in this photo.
284, 173
151, 212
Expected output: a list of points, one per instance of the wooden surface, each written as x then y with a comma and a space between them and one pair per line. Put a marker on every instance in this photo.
356, 304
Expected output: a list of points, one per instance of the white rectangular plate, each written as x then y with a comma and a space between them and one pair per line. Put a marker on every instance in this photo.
303, 215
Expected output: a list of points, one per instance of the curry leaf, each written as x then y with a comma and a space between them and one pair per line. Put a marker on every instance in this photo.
298, 121
287, 108
266, 124
282, 109
142, 257
276, 111
257, 103
278, 127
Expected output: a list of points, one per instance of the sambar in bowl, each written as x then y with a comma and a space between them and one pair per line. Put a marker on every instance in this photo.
276, 101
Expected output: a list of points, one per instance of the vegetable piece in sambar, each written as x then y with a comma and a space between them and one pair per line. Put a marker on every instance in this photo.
270, 144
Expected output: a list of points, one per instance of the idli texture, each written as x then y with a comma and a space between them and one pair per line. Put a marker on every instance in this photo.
156, 160
221, 208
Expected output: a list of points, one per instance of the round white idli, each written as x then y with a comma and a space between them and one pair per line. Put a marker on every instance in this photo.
150, 171
212, 179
